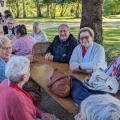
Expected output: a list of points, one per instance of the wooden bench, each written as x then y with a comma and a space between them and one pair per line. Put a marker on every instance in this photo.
40, 47
41, 72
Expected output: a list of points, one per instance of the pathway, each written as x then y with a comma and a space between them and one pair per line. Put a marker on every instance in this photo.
74, 25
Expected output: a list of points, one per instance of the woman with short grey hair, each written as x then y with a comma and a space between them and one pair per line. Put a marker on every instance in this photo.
99, 107
5, 54
17, 103
37, 33
88, 56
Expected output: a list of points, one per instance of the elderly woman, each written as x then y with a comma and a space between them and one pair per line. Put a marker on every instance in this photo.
9, 28
37, 33
23, 43
99, 107
19, 103
5, 54
88, 56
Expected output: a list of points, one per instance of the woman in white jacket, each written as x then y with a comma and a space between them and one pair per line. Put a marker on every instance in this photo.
88, 56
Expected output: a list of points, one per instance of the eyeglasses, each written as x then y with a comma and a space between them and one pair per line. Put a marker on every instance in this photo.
6, 48
86, 37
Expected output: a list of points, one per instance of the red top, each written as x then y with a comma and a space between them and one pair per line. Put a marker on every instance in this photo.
16, 104
83, 51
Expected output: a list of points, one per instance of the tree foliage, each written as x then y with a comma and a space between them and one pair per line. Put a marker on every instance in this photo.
111, 6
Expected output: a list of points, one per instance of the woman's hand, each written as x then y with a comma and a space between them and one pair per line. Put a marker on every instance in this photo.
89, 71
48, 116
30, 57
74, 68
86, 80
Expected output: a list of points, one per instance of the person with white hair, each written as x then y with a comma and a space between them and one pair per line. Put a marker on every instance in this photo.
9, 28
99, 107
5, 54
15, 103
38, 34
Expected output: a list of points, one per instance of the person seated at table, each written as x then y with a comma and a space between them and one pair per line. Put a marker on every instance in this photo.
9, 28
7, 14
99, 107
1, 30
17, 103
3, 23
5, 54
37, 33
88, 56
23, 43
62, 46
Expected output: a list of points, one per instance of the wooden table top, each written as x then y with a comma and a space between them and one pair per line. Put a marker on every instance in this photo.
41, 71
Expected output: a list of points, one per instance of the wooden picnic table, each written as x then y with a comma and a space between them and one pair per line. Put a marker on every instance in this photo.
41, 71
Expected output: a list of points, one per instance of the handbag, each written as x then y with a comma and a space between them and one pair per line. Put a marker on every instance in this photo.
60, 83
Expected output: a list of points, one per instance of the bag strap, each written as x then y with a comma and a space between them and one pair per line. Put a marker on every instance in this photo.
50, 84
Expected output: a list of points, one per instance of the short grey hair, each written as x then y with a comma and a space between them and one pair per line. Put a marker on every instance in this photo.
4, 40
90, 31
10, 18
37, 24
64, 25
16, 67
101, 107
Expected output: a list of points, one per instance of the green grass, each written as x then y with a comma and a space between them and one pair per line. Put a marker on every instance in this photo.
110, 18
48, 20
111, 41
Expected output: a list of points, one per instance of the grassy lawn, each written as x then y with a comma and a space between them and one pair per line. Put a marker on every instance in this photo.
110, 18
48, 20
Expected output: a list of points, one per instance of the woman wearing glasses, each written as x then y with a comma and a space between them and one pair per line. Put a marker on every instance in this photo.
88, 56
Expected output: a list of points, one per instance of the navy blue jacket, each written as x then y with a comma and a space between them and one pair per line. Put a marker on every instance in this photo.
5, 28
69, 47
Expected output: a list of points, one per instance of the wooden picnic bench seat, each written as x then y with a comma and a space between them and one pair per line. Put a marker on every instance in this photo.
41, 72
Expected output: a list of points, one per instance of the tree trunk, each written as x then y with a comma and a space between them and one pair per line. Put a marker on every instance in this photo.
24, 10
18, 12
48, 10
38, 9
92, 17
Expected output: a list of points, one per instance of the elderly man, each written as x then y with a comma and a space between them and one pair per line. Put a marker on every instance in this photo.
1, 30
62, 46
9, 28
